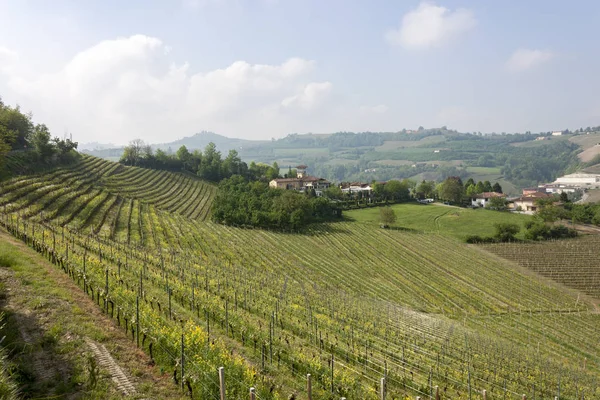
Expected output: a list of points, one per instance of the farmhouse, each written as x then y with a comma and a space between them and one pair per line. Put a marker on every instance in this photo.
482, 199
301, 182
527, 202
557, 133
355, 187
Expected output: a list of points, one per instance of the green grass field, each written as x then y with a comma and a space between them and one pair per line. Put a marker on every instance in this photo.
446, 220
415, 304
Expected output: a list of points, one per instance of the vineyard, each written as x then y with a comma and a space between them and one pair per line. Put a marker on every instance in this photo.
347, 303
574, 263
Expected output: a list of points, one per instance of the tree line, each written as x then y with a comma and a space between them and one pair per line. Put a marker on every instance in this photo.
39, 149
208, 165
452, 189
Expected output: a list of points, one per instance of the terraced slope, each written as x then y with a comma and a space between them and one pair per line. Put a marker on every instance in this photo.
348, 303
94, 191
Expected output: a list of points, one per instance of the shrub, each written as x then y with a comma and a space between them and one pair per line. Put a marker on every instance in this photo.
540, 231
505, 231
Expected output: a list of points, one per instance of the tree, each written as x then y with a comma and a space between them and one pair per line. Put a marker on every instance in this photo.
334, 193
506, 231
41, 143
497, 203
471, 191
396, 190
132, 154
487, 186
184, 156
210, 165
379, 191
564, 197
426, 189
451, 189
497, 188
16, 128
479, 188
233, 165
547, 211
387, 216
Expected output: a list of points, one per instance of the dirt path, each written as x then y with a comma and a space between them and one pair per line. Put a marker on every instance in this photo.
55, 323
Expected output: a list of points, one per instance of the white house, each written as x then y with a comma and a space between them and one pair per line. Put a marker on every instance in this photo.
356, 187
482, 199
557, 133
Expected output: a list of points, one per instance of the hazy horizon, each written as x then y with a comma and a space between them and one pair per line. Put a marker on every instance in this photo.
110, 72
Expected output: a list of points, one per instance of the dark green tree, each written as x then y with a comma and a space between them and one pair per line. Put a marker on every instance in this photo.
506, 231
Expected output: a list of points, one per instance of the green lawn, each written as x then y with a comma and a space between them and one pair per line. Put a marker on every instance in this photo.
447, 220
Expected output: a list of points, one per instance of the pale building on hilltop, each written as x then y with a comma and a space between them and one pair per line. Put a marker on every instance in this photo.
301, 182
579, 180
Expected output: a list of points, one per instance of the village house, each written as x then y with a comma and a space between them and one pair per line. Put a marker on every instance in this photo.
482, 199
527, 202
356, 187
302, 182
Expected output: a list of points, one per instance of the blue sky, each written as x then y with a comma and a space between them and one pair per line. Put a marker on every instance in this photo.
112, 71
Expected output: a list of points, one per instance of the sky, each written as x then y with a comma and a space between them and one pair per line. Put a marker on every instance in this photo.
111, 71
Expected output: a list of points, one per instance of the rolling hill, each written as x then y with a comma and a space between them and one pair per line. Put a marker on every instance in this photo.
347, 302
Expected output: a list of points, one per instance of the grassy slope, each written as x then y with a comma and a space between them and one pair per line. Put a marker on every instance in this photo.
48, 320
447, 220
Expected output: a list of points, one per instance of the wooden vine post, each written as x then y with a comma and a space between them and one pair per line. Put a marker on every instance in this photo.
182, 361
137, 319
309, 386
222, 382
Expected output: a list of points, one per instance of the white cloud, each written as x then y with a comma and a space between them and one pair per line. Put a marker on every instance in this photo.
379, 109
524, 59
8, 59
313, 95
125, 88
430, 25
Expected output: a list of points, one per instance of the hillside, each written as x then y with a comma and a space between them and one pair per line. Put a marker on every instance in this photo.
105, 197
515, 161
347, 302
58, 344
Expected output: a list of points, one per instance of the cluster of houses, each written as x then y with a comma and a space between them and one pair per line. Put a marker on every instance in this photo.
302, 182
526, 202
